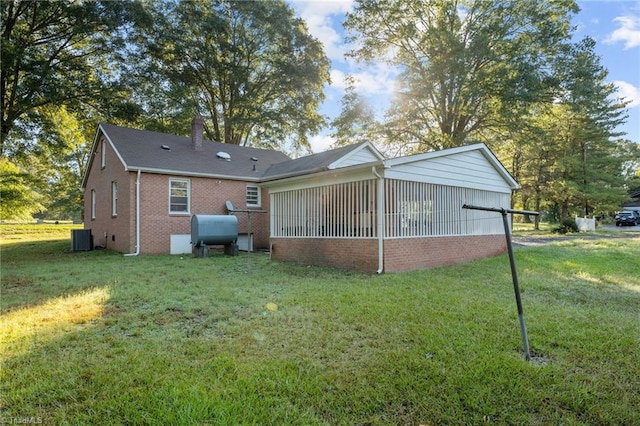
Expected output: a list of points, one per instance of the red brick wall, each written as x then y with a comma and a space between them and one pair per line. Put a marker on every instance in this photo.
208, 196
112, 232
402, 254
345, 253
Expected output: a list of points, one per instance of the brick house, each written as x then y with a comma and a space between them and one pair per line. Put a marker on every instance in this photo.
348, 208
141, 188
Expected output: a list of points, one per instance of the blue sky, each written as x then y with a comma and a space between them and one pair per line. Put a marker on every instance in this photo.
614, 25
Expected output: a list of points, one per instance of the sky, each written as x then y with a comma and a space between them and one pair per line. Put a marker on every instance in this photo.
613, 24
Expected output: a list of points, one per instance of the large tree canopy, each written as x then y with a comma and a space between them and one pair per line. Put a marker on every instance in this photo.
564, 152
467, 66
19, 200
251, 68
586, 112
505, 73
55, 53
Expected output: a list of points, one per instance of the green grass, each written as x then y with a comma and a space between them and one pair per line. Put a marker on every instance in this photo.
99, 338
521, 228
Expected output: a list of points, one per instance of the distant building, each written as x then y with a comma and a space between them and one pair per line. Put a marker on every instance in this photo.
635, 204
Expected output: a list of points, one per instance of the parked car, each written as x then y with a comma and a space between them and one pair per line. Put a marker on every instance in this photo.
626, 218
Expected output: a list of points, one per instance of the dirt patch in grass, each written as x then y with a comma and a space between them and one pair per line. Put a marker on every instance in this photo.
15, 281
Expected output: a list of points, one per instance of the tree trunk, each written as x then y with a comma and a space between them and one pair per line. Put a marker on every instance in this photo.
536, 220
564, 212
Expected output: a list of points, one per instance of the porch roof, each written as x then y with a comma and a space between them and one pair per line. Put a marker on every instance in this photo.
345, 156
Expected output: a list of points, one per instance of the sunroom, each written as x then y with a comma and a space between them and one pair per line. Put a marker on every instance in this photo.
353, 209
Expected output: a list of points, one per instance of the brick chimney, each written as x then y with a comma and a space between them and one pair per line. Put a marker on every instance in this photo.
196, 133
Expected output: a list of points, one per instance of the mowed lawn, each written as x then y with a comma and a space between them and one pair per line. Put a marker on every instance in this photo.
98, 338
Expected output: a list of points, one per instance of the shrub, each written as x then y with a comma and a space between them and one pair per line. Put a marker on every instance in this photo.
567, 226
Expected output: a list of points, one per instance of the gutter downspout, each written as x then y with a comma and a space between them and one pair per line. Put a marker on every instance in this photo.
380, 220
137, 252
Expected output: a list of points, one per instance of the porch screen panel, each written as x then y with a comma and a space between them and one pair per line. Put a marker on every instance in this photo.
423, 209
332, 211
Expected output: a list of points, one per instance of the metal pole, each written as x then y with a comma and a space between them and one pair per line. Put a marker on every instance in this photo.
499, 210
512, 262
250, 235
516, 287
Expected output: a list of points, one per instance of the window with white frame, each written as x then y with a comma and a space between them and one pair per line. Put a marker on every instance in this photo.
179, 195
114, 198
93, 204
253, 196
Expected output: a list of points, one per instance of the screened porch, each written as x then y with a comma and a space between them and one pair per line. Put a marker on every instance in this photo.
408, 209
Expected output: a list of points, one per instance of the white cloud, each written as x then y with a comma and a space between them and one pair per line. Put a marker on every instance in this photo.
629, 92
628, 32
320, 143
320, 17
375, 80
338, 79
324, 20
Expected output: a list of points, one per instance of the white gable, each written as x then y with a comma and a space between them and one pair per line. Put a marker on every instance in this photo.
364, 154
468, 167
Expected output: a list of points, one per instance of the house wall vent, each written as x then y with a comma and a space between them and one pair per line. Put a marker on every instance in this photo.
81, 240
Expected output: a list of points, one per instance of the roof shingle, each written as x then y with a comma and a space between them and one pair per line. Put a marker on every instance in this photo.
309, 163
143, 149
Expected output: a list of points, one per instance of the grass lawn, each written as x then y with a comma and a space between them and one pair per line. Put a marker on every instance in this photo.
98, 338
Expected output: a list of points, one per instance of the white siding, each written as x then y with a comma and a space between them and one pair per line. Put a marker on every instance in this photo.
467, 169
360, 156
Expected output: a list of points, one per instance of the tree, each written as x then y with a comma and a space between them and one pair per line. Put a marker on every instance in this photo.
591, 115
356, 121
629, 154
568, 158
19, 200
65, 150
469, 67
55, 160
250, 68
59, 52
